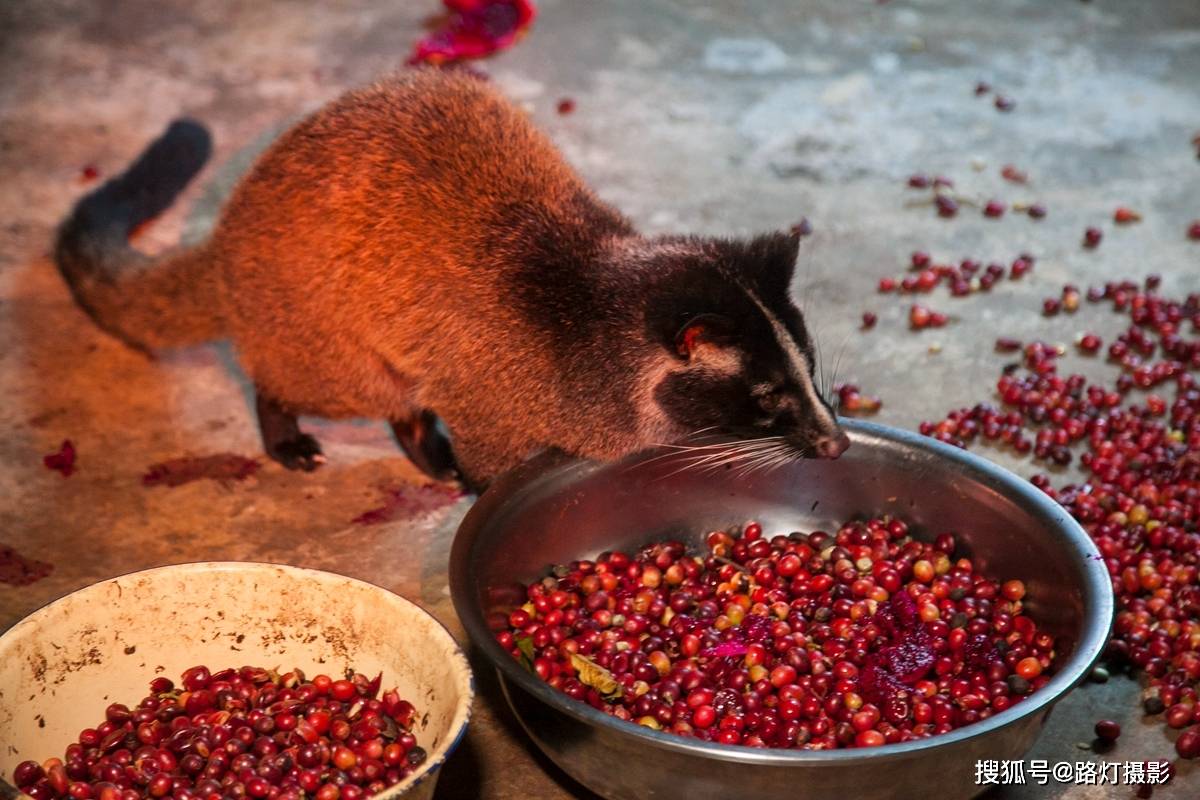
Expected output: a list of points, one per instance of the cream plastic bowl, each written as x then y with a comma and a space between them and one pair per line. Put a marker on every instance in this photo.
62, 665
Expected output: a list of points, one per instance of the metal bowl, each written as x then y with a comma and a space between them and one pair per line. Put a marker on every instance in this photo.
553, 510
62, 665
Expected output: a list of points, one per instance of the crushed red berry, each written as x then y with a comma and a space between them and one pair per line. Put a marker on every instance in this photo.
475, 29
62, 460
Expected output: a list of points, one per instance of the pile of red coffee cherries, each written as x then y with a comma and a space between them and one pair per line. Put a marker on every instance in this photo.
860, 638
1140, 501
244, 733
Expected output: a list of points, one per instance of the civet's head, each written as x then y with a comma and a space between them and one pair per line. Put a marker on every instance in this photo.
736, 357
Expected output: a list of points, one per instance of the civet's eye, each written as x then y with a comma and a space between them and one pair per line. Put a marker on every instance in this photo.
769, 397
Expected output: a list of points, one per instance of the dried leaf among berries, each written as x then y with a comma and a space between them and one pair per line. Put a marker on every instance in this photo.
593, 675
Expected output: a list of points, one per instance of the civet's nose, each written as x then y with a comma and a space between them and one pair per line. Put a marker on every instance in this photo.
832, 446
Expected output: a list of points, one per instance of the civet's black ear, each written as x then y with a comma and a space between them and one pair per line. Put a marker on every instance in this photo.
784, 250
703, 330
769, 260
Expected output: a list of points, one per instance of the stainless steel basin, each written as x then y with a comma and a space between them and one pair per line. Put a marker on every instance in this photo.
553, 510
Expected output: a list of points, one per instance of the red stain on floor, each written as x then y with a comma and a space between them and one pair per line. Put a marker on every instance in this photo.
409, 501
17, 570
220, 467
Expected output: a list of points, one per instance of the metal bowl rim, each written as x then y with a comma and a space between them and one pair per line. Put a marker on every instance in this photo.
1097, 590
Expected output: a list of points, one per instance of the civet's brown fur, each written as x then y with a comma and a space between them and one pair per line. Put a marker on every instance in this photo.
415, 248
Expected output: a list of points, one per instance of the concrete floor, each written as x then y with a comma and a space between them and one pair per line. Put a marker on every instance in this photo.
715, 117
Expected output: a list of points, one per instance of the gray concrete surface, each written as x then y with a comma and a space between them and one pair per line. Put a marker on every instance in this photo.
718, 117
